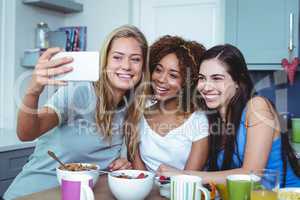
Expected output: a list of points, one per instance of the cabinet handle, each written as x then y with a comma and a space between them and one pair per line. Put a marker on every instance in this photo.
291, 25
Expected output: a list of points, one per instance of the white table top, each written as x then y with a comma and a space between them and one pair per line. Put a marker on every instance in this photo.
9, 141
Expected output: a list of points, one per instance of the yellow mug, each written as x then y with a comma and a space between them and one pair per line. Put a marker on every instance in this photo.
222, 189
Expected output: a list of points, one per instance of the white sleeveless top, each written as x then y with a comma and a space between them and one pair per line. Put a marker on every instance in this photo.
174, 148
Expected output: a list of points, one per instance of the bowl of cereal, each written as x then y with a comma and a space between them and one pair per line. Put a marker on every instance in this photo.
130, 184
70, 169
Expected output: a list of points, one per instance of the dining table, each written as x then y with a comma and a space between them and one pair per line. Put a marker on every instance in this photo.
101, 192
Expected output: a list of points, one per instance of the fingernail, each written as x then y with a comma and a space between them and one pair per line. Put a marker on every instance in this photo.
69, 58
68, 68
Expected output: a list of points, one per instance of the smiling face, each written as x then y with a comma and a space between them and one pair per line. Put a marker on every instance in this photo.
124, 64
166, 77
215, 84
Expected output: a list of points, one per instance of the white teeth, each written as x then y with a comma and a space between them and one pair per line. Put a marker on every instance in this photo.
161, 89
126, 76
210, 96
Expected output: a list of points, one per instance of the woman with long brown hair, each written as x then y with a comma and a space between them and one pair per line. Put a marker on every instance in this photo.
245, 131
86, 120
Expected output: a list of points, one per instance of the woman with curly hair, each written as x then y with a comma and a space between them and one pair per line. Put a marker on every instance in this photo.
172, 131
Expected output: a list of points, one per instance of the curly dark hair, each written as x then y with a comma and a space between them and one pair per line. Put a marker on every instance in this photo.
188, 54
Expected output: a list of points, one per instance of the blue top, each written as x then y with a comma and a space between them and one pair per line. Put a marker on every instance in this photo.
76, 139
275, 162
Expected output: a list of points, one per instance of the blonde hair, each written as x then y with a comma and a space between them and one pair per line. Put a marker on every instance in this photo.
104, 92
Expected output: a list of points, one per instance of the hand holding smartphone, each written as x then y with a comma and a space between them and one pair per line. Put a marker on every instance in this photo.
85, 66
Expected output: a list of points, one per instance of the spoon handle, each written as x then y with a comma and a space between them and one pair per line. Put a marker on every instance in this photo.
103, 171
52, 154
109, 172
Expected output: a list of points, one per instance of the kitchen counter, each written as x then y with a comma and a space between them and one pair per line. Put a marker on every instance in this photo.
9, 141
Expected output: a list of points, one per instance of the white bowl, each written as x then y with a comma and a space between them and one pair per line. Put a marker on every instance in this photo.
130, 189
65, 173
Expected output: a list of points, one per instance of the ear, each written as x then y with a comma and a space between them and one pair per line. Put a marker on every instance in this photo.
236, 86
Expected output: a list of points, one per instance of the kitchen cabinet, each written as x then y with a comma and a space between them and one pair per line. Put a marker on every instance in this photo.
200, 20
11, 164
263, 30
13, 156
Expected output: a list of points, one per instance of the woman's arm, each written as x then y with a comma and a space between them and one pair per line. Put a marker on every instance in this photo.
32, 122
137, 163
216, 177
198, 155
262, 130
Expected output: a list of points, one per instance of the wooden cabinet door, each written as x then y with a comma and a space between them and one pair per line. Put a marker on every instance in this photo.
261, 28
200, 20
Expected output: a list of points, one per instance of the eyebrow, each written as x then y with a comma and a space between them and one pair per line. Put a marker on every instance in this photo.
172, 70
121, 53
218, 75
213, 75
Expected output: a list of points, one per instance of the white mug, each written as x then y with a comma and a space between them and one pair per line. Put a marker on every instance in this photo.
187, 187
77, 187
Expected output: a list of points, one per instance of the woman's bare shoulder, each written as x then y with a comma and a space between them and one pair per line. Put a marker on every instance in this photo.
258, 102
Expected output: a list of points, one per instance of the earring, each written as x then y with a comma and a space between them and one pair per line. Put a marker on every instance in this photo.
153, 99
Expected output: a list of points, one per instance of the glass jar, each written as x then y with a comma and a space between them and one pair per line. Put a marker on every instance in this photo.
41, 35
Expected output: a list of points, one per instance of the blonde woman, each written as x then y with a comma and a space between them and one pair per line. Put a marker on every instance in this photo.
85, 119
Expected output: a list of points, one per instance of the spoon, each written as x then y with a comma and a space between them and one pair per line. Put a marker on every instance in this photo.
103, 171
109, 172
114, 173
52, 155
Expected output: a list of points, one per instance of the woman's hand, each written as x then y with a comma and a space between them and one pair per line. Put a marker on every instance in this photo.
47, 68
166, 170
121, 163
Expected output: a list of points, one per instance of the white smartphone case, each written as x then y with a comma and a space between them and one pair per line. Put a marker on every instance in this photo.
85, 66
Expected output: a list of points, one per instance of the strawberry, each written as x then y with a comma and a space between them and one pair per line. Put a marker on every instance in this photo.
164, 179
140, 176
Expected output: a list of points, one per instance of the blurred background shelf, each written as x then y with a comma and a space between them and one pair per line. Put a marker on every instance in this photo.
64, 6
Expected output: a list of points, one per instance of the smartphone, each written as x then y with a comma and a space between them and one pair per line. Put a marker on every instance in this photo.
85, 66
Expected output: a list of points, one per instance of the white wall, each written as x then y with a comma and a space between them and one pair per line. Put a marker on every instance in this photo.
27, 18
100, 17
18, 22
17, 33
7, 64
2, 11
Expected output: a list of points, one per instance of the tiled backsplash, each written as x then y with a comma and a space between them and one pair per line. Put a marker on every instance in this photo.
275, 86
